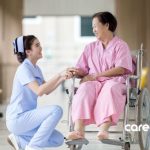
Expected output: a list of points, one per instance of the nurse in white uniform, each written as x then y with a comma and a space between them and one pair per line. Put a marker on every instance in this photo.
32, 128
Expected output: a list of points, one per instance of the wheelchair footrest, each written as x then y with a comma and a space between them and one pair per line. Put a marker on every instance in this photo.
77, 142
113, 142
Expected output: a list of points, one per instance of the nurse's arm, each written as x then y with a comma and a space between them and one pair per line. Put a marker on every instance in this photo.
49, 86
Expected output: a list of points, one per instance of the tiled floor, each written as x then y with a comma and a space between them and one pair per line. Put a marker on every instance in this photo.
61, 99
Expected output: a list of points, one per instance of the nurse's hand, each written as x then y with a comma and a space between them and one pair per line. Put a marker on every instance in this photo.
77, 72
90, 77
66, 75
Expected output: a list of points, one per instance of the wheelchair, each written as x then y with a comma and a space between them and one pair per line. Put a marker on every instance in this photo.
137, 100
147, 146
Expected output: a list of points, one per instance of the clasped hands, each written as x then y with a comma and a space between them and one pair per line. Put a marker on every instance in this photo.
80, 74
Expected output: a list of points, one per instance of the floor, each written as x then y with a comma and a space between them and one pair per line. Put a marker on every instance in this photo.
58, 97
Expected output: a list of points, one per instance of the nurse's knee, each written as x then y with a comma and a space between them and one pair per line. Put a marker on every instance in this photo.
57, 110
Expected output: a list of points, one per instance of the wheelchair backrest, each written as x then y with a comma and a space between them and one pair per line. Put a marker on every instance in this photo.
139, 66
135, 78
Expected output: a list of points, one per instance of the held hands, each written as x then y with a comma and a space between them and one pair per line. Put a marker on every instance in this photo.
76, 71
65, 75
70, 72
80, 73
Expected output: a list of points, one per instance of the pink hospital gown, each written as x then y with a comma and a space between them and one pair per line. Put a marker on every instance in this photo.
96, 101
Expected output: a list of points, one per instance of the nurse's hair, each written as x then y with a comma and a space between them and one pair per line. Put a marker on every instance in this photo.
21, 44
106, 18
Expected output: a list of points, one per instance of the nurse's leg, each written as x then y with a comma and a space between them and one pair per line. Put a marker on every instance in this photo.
29, 126
56, 139
43, 135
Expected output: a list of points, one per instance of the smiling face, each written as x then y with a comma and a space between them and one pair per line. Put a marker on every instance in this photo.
99, 29
35, 52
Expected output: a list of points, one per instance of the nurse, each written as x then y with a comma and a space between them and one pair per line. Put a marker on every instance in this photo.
32, 128
103, 67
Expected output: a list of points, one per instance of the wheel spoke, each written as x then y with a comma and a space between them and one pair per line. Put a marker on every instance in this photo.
143, 115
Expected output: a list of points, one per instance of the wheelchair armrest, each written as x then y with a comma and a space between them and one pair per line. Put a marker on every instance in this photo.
133, 77
130, 81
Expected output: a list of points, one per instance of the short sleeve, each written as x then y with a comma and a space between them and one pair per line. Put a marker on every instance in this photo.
123, 58
40, 73
83, 61
24, 75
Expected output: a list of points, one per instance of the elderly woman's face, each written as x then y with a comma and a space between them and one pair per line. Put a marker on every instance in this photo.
98, 28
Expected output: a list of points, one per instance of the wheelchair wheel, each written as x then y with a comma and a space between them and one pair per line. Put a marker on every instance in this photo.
143, 116
127, 146
147, 147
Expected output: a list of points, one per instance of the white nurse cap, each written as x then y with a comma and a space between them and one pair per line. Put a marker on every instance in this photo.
18, 45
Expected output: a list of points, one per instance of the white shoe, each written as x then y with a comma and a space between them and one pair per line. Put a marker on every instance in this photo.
30, 148
13, 142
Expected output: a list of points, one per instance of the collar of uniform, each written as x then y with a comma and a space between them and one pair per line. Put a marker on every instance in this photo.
30, 63
34, 69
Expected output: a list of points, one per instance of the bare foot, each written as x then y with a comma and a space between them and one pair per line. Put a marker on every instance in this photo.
74, 135
102, 135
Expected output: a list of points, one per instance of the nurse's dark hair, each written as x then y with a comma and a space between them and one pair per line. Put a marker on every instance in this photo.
106, 18
27, 43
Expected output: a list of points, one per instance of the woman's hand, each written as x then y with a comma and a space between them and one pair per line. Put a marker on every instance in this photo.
66, 75
90, 77
76, 72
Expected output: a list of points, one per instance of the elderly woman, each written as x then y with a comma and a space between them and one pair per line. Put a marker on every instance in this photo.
103, 67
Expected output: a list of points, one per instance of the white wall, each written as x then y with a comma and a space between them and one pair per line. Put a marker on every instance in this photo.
66, 7
60, 38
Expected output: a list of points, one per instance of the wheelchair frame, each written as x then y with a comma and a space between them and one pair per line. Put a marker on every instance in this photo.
147, 146
132, 100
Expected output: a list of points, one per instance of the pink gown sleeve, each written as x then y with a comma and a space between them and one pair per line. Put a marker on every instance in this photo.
123, 58
83, 61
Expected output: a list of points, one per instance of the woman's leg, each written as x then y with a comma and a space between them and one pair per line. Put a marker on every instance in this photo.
36, 127
103, 131
55, 140
78, 132
110, 104
79, 126
45, 131
83, 107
